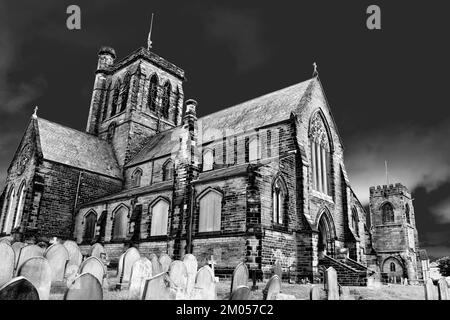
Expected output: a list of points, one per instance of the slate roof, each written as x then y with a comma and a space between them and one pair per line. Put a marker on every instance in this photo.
77, 149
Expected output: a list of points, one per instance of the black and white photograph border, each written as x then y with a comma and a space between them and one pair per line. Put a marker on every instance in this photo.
224, 151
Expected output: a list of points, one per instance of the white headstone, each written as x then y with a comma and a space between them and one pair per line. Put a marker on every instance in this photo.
240, 276
165, 261
205, 285
191, 264
6, 263
18, 289
332, 284
84, 287
430, 290
141, 271
38, 271
57, 257
28, 252
126, 263
178, 275
443, 289
273, 288
75, 256
156, 288
17, 246
94, 266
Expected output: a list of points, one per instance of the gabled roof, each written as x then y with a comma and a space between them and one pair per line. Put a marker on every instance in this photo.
268, 109
77, 149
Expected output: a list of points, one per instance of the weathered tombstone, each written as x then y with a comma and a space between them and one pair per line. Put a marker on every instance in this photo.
156, 288
205, 284
345, 294
84, 287
97, 250
190, 261
141, 271
332, 284
71, 274
18, 289
94, 266
28, 252
126, 262
178, 276
272, 289
278, 269
38, 271
314, 293
6, 263
165, 261
240, 276
75, 256
157, 268
240, 293
443, 289
57, 257
17, 246
430, 290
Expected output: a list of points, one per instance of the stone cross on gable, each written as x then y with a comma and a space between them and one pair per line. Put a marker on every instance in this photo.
212, 263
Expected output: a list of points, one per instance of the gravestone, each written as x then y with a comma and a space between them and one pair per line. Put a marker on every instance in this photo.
190, 261
430, 290
97, 250
240, 293
17, 246
57, 256
157, 268
84, 287
126, 262
71, 273
443, 289
240, 276
272, 289
165, 261
6, 263
345, 294
75, 256
205, 285
178, 276
28, 252
314, 293
156, 288
6, 240
141, 271
95, 267
18, 289
332, 284
278, 269
38, 271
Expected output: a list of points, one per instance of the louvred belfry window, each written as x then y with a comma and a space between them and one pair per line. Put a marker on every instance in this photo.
166, 99
153, 93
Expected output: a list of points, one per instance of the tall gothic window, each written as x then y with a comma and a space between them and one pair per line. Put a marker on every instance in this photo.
355, 221
166, 99
107, 98
168, 170
392, 267
253, 149
210, 212
160, 216
120, 223
111, 131
208, 160
136, 178
7, 221
115, 99
125, 92
387, 212
153, 92
408, 217
20, 204
320, 155
89, 226
278, 201
177, 101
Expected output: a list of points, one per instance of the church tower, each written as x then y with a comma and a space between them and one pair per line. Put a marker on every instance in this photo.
394, 233
133, 99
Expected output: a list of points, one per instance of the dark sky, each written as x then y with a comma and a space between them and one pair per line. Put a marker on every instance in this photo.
387, 88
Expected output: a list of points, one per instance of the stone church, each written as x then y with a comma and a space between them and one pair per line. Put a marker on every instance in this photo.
261, 181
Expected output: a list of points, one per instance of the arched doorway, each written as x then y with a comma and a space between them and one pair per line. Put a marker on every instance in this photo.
393, 270
325, 243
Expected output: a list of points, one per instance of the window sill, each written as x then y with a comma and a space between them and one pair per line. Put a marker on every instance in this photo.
279, 227
208, 233
158, 238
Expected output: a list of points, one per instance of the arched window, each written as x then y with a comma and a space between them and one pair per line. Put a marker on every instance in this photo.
111, 131
253, 149
208, 160
387, 212
7, 223
278, 200
90, 221
168, 170
120, 223
408, 216
355, 221
136, 178
160, 216
166, 99
20, 204
105, 107
125, 92
115, 99
392, 267
177, 102
210, 212
320, 155
153, 93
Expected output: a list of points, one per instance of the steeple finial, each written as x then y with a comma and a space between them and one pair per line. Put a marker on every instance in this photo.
315, 72
35, 112
149, 40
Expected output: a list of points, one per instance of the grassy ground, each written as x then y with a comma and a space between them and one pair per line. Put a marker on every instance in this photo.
300, 291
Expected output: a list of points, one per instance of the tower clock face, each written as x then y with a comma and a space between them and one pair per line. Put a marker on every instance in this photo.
23, 159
